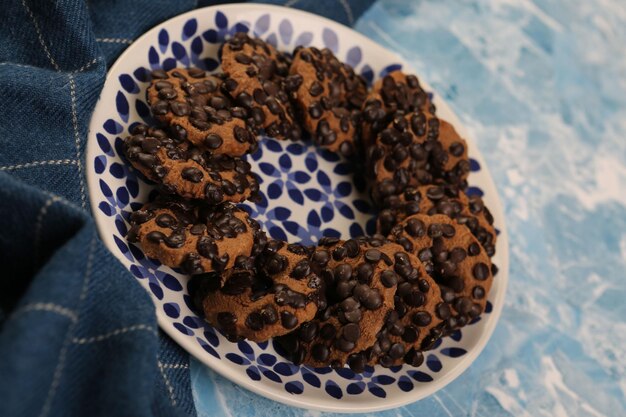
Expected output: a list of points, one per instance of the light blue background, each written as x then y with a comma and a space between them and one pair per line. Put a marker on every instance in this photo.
542, 88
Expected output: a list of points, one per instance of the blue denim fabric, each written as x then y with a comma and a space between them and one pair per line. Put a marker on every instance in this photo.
78, 336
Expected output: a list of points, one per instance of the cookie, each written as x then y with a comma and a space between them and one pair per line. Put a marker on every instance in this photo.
441, 199
400, 156
265, 297
456, 261
394, 92
183, 169
359, 299
449, 158
329, 98
414, 319
416, 149
255, 78
194, 237
192, 104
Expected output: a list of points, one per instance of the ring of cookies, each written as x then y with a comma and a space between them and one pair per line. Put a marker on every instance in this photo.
382, 299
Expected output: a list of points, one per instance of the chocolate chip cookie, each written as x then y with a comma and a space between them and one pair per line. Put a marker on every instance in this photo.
255, 78
441, 199
191, 102
360, 296
455, 259
394, 92
183, 169
329, 98
416, 149
265, 297
414, 319
194, 237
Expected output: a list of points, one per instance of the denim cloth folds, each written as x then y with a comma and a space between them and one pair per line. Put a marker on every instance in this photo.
78, 336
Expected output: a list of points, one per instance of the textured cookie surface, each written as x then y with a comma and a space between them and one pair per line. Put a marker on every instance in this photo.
185, 170
414, 319
192, 104
455, 259
255, 78
394, 92
400, 156
361, 276
441, 199
194, 237
265, 297
329, 98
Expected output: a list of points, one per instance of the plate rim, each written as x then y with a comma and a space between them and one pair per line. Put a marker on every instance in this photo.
259, 388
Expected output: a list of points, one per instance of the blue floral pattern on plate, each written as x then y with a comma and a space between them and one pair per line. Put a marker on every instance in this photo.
306, 193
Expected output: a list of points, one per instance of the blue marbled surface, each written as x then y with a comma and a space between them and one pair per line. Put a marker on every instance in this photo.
542, 87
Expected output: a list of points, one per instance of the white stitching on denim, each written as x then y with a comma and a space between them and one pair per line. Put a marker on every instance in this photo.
77, 139
86, 66
175, 366
39, 224
348, 10
40, 36
48, 307
56, 379
168, 384
105, 336
62, 200
115, 40
81, 69
38, 163
290, 3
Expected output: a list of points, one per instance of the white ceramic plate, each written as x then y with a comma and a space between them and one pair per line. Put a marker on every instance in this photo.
307, 193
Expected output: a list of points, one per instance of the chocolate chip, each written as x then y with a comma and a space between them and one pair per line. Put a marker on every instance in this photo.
166, 220
155, 236
422, 318
414, 357
180, 109
389, 278
160, 108
269, 315
168, 94
344, 345
473, 249
346, 148
226, 319
307, 331
213, 141
351, 332
443, 311
192, 174
315, 110
373, 300
320, 352
357, 362
457, 149
373, 255
415, 228
328, 332
288, 320
230, 84
254, 321
301, 269
410, 334
316, 89
480, 271
243, 58
463, 305
414, 298
196, 73
213, 194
